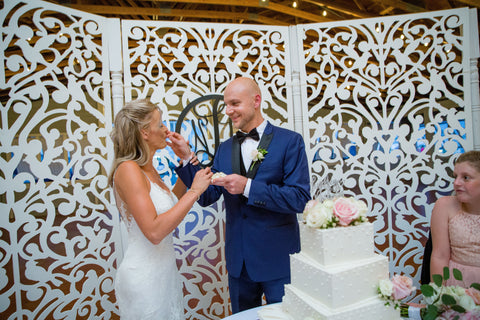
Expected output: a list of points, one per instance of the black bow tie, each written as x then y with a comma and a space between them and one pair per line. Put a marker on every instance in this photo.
241, 136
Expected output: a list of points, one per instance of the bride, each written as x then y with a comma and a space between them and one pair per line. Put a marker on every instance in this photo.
147, 283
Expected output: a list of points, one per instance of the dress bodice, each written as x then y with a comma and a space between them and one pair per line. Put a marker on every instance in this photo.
464, 233
162, 200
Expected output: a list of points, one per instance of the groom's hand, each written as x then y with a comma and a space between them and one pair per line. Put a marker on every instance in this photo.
179, 145
233, 183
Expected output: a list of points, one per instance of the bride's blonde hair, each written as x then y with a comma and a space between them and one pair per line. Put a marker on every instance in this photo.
128, 143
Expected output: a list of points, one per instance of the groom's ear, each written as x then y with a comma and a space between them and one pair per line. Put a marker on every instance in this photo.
257, 101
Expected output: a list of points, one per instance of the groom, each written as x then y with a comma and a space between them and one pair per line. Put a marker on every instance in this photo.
263, 193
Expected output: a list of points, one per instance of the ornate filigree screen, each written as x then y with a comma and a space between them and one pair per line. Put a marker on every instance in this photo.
388, 110
59, 228
383, 105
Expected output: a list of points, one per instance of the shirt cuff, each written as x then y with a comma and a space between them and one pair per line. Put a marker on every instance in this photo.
184, 162
246, 191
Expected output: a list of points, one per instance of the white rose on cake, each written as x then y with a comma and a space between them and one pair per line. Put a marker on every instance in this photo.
343, 211
318, 216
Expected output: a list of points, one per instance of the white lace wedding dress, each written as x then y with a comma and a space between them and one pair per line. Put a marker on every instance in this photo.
147, 283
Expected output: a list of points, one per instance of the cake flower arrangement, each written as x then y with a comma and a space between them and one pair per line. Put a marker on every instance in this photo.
336, 212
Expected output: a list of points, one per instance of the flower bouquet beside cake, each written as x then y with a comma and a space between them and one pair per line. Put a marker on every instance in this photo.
444, 302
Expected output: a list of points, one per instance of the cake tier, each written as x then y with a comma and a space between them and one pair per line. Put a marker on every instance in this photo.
339, 285
298, 306
337, 245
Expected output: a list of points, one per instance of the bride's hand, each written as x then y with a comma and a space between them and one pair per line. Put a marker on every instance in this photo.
194, 160
201, 181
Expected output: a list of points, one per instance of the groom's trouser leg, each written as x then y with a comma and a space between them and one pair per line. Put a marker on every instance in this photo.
244, 292
275, 289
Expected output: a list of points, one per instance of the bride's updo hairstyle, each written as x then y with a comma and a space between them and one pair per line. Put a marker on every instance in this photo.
128, 143
473, 157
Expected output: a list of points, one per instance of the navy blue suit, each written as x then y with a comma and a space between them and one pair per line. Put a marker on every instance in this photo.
261, 230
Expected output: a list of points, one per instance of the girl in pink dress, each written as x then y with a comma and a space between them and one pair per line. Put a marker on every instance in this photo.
455, 224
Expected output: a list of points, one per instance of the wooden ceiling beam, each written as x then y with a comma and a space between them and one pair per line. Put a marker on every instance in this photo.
207, 14
343, 8
405, 6
473, 3
437, 5
270, 5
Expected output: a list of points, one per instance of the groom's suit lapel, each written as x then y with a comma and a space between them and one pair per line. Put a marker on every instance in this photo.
236, 156
264, 143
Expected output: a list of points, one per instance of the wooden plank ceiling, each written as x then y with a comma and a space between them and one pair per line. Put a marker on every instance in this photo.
269, 12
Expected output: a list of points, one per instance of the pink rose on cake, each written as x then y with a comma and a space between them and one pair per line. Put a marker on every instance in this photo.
346, 210
336, 212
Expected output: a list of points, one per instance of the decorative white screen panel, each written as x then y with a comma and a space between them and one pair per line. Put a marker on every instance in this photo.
388, 112
389, 124
58, 229
176, 64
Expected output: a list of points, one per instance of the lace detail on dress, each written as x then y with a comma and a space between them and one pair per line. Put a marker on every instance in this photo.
147, 283
463, 230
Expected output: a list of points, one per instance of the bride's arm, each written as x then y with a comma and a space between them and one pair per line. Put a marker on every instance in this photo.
180, 188
134, 189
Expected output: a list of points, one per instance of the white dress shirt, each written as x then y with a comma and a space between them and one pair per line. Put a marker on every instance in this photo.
248, 146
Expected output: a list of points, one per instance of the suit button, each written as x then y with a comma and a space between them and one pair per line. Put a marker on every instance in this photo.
244, 216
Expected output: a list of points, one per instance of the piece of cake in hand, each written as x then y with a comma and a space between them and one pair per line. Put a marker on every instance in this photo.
217, 175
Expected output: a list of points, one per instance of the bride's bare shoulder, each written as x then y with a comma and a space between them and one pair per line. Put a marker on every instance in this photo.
128, 171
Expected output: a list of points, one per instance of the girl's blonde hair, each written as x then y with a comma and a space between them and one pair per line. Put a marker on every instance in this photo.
128, 143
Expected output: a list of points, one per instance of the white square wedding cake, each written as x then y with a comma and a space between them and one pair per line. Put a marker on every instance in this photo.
336, 274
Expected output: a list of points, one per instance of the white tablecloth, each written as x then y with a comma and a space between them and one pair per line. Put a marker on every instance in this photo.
250, 314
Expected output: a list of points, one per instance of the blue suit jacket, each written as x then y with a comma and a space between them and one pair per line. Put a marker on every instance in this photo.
261, 230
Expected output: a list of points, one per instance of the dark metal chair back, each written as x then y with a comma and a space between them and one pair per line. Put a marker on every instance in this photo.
208, 112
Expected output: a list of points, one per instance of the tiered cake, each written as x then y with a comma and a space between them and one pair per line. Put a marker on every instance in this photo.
335, 276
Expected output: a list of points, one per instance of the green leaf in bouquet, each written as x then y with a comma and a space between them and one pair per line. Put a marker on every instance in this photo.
475, 285
446, 273
437, 279
429, 313
448, 300
457, 274
459, 309
427, 290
